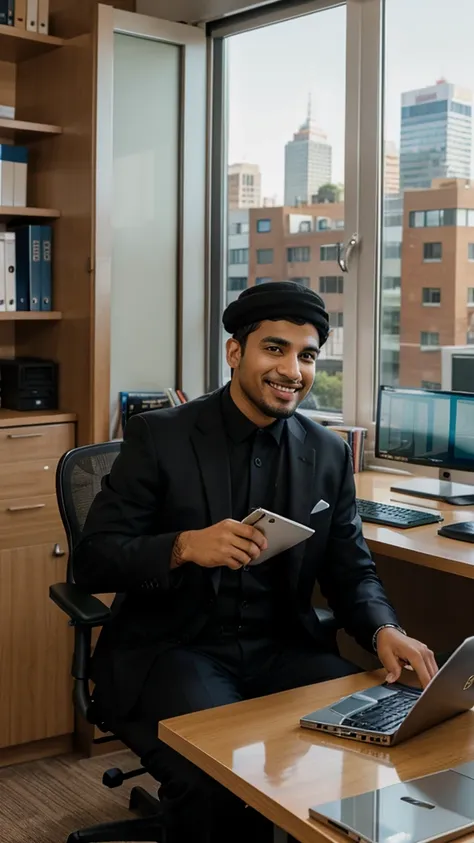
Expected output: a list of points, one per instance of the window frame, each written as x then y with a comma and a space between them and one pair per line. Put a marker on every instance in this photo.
362, 205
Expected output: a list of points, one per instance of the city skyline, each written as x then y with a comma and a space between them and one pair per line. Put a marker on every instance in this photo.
268, 97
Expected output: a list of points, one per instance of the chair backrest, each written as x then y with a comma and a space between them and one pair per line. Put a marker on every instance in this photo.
78, 479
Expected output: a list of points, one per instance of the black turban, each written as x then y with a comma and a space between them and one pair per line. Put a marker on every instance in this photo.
277, 300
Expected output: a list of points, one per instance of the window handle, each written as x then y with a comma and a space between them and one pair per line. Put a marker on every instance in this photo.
345, 252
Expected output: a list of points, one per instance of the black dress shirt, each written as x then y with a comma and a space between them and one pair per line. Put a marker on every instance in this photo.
250, 605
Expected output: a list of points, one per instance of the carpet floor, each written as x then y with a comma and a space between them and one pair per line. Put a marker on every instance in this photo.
44, 801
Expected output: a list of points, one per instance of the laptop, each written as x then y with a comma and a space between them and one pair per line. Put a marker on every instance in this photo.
389, 714
437, 807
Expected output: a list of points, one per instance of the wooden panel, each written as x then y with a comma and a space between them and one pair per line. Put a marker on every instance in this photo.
69, 17
30, 316
18, 418
35, 750
57, 88
28, 521
20, 130
7, 213
7, 83
35, 647
35, 442
26, 479
17, 45
257, 750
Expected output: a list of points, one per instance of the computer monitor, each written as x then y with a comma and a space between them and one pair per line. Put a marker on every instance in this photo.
432, 428
457, 368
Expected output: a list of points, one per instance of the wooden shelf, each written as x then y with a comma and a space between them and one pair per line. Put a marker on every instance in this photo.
16, 418
14, 129
28, 212
30, 316
18, 45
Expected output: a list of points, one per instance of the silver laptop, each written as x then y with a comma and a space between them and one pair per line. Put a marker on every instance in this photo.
438, 807
388, 714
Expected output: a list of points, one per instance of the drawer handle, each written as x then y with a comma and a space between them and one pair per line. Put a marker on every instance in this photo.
26, 507
58, 551
24, 435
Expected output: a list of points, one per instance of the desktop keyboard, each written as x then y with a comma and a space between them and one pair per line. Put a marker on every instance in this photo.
386, 716
394, 516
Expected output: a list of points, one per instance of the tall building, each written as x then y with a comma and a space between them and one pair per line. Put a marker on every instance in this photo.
237, 253
244, 186
437, 278
436, 135
391, 176
308, 163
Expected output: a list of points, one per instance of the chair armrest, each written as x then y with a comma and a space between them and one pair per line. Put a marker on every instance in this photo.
84, 609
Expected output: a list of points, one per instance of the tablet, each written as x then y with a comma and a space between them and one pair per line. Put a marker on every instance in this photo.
281, 533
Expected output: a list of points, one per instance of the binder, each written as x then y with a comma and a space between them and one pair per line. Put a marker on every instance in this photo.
20, 14
2, 272
28, 267
7, 175
32, 15
43, 16
10, 270
4, 12
46, 242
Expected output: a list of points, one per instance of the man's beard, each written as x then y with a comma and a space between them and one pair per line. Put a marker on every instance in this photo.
268, 409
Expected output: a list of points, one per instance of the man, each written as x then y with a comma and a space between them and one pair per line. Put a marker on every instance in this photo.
198, 627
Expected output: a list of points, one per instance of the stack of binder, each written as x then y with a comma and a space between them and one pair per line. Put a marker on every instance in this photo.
355, 438
32, 15
131, 403
25, 268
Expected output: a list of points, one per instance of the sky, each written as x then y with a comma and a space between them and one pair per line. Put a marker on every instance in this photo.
273, 70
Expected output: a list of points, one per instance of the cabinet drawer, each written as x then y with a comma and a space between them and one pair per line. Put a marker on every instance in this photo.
26, 479
18, 444
28, 521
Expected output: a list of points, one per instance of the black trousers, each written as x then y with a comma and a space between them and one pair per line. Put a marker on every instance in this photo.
190, 679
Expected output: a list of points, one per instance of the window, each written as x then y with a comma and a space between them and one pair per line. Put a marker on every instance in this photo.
239, 228
304, 227
263, 226
300, 254
432, 251
428, 120
336, 320
263, 280
264, 255
237, 284
431, 296
238, 256
392, 250
429, 339
329, 253
331, 284
391, 282
305, 281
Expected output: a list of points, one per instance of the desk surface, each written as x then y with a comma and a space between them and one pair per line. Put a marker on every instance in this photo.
259, 752
420, 545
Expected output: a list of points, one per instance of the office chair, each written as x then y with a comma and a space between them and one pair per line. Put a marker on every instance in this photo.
78, 479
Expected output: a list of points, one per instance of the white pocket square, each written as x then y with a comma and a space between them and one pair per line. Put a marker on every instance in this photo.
320, 507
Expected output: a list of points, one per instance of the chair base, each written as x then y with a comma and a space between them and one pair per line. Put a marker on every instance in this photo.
143, 830
144, 803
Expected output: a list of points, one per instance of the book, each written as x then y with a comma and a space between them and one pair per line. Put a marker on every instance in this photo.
20, 13
355, 438
28, 267
132, 403
46, 253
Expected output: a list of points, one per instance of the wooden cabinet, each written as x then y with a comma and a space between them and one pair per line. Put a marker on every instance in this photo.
35, 639
35, 646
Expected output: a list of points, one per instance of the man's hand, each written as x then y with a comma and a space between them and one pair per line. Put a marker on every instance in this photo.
227, 543
396, 650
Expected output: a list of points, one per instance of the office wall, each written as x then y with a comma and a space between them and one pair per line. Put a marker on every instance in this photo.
68, 18
193, 11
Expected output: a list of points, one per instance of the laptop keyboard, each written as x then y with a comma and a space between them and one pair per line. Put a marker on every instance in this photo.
386, 716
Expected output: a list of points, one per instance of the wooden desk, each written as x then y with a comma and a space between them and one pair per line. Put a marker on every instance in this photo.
419, 545
259, 752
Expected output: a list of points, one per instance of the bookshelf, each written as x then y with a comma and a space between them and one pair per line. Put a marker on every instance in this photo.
38, 213
23, 130
17, 45
30, 316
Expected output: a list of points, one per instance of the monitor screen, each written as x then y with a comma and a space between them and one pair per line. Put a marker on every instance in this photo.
462, 373
426, 427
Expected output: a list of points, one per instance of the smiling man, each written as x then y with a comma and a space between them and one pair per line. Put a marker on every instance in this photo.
198, 627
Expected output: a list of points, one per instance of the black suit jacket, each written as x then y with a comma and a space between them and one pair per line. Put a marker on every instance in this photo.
171, 475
